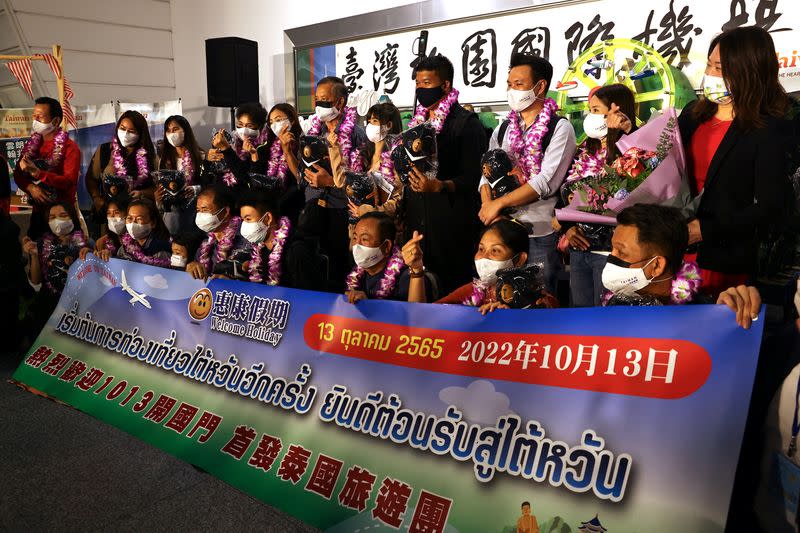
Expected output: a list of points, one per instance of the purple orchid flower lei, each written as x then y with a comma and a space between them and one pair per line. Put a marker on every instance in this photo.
274, 269
142, 168
390, 274
134, 249
527, 146
224, 246
438, 116
34, 144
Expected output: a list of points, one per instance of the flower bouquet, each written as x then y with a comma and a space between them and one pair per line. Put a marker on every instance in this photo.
649, 171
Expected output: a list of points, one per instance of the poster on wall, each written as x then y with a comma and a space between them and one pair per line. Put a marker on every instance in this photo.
666, 40
15, 127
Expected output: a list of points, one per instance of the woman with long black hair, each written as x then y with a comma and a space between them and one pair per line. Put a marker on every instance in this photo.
736, 159
612, 114
179, 151
129, 153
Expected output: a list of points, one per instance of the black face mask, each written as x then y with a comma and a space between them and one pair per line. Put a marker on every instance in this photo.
428, 97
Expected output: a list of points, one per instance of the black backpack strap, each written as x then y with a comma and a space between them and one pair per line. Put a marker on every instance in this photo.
551, 128
501, 133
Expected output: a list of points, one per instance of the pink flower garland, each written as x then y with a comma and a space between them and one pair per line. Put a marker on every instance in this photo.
387, 166
527, 146
142, 169
439, 114
587, 165
277, 166
224, 246
134, 249
349, 156
34, 144
685, 285
393, 268
274, 265
480, 291
76, 238
238, 146
187, 166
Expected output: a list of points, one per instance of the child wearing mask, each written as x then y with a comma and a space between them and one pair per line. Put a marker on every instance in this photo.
184, 245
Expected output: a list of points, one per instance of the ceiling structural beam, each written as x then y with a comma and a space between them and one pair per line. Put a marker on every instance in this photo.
23, 44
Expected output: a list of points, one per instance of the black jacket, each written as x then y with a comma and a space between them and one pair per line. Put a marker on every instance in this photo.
745, 191
449, 221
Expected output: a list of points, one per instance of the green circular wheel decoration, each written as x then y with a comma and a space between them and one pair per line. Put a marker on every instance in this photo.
655, 83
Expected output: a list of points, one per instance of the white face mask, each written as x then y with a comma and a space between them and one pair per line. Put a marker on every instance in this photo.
138, 231
278, 125
365, 256
595, 126
127, 138
254, 232
326, 114
177, 261
519, 100
116, 224
175, 138
246, 132
41, 128
624, 280
208, 221
488, 268
714, 89
61, 226
376, 133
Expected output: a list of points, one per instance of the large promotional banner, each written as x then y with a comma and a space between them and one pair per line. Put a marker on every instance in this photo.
571, 35
386, 416
15, 127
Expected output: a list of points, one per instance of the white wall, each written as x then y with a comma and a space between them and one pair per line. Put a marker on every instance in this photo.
113, 49
263, 21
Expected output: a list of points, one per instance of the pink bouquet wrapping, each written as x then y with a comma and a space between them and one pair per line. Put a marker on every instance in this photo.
649, 171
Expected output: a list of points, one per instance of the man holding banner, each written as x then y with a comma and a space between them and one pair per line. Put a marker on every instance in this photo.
49, 164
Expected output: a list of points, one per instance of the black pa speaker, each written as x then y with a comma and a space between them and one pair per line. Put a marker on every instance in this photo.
231, 71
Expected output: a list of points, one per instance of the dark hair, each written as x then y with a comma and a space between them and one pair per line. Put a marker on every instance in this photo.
338, 88
294, 122
387, 231
750, 70
140, 123
525, 503
255, 111
660, 227
120, 200
263, 201
169, 154
619, 94
439, 64
385, 112
159, 229
512, 233
221, 194
69, 208
541, 69
53, 105
189, 239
